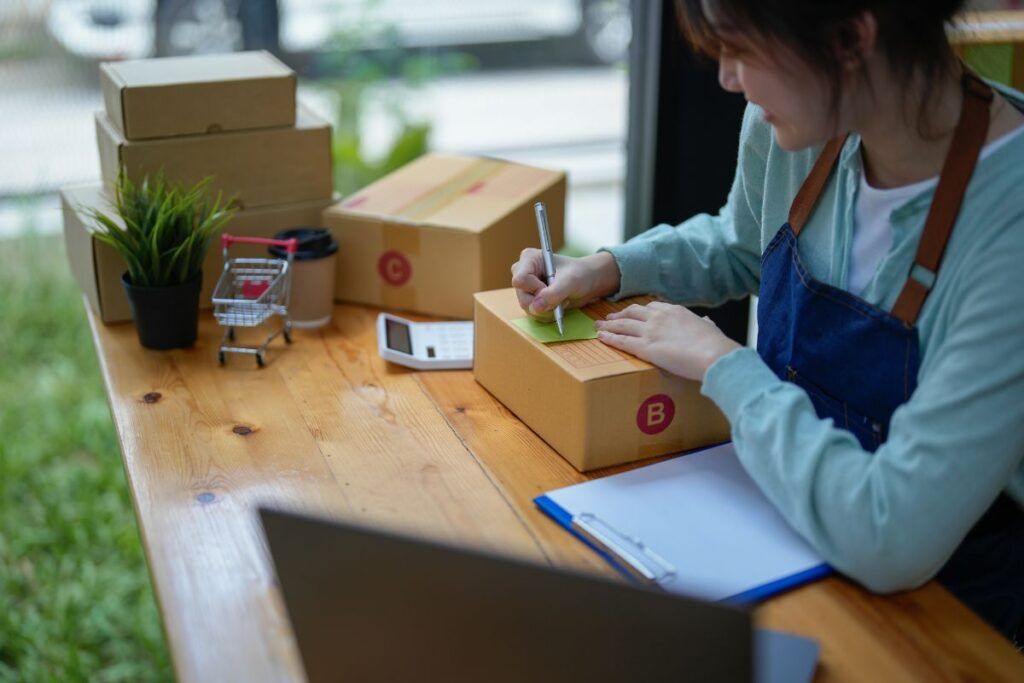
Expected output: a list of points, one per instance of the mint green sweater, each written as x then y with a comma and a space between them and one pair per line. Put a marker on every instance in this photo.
890, 519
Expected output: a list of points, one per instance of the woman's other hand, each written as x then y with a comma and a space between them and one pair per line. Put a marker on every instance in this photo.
671, 337
577, 282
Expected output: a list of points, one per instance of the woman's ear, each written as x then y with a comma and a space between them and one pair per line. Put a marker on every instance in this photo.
857, 40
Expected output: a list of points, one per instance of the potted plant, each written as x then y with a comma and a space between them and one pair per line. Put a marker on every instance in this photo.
163, 233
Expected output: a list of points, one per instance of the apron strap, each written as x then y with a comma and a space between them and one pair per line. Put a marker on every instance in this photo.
807, 197
968, 139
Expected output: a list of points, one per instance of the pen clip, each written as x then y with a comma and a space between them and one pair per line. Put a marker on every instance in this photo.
541, 212
640, 561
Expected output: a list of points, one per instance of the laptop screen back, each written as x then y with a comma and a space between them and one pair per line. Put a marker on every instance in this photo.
371, 606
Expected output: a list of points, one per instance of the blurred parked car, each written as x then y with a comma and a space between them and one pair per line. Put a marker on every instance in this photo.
128, 29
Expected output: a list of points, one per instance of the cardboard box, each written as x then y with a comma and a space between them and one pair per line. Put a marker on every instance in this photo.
430, 235
263, 167
593, 404
98, 268
155, 98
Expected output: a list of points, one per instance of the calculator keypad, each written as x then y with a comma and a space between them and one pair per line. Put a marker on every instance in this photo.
451, 343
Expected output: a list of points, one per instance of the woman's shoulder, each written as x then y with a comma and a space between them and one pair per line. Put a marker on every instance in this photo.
995, 187
1013, 95
987, 243
1001, 158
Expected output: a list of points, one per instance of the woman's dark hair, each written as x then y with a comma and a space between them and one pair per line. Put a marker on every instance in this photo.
912, 33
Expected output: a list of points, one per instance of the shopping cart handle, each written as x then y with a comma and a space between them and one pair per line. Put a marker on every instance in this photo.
291, 245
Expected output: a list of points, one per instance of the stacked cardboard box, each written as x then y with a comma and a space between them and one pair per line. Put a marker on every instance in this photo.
231, 117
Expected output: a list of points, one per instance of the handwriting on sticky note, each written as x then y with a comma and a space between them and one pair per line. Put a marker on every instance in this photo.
578, 325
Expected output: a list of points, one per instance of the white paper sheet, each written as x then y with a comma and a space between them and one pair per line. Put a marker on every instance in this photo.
703, 514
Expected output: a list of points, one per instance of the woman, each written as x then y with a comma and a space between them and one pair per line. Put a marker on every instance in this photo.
883, 411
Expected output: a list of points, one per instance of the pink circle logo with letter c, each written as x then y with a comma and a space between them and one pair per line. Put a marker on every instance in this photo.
655, 414
394, 268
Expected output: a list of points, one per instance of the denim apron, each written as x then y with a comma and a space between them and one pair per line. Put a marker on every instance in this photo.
858, 363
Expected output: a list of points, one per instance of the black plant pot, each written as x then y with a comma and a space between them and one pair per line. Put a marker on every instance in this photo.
165, 317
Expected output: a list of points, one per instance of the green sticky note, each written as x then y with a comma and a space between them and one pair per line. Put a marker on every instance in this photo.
578, 325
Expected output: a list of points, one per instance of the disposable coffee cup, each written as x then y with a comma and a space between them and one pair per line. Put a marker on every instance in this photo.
312, 299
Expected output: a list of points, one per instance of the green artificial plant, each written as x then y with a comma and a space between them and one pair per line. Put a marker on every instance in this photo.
164, 229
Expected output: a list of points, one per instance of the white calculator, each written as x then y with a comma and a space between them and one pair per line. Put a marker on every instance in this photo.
425, 346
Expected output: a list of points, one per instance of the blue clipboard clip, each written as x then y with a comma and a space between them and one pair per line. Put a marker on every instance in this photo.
637, 559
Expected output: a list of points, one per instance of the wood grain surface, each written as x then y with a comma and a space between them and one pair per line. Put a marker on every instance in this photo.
988, 27
328, 427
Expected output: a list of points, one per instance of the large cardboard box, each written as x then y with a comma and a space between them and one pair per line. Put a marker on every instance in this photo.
98, 268
262, 167
428, 236
155, 98
593, 404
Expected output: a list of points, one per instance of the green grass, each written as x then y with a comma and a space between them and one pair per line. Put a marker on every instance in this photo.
75, 598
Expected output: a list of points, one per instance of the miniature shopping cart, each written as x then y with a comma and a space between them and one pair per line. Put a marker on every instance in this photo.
249, 292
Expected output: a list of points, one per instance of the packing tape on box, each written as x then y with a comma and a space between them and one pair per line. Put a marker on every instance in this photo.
396, 265
470, 180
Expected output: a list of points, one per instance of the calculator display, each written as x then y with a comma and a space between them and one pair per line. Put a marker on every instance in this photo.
398, 336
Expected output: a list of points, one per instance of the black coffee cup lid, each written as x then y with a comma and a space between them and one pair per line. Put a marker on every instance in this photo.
313, 242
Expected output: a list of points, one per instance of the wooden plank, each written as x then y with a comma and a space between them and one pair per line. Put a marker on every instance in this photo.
397, 461
324, 428
986, 28
920, 635
193, 480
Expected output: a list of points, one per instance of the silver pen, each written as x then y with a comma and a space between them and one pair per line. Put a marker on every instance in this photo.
549, 258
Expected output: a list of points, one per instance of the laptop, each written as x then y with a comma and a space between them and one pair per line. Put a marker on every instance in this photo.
367, 605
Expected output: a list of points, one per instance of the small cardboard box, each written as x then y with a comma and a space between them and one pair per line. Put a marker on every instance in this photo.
428, 236
98, 268
262, 167
156, 98
593, 404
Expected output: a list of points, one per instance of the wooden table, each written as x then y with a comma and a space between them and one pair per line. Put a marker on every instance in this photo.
329, 427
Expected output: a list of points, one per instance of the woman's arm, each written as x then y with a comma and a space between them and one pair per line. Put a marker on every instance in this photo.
706, 259
891, 519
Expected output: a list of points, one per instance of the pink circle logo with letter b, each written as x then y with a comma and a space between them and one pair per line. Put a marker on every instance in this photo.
394, 268
655, 414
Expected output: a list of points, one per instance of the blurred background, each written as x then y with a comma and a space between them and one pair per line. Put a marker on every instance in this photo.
543, 82
538, 81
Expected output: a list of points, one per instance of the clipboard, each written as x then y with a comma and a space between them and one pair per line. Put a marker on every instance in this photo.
696, 525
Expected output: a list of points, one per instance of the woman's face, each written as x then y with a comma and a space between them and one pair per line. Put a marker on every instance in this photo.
794, 98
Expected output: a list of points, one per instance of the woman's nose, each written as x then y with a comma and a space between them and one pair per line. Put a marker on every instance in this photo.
727, 77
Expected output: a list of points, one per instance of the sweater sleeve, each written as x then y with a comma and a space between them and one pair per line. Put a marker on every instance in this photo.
706, 259
891, 519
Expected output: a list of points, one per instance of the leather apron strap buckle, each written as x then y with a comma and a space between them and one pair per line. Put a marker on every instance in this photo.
957, 169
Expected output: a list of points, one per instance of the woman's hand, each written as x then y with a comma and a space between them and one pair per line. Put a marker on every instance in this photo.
577, 282
671, 337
